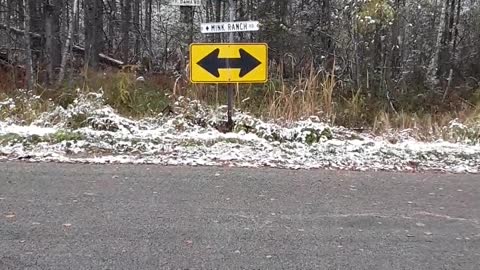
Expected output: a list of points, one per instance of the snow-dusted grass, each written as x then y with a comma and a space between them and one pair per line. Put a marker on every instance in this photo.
89, 131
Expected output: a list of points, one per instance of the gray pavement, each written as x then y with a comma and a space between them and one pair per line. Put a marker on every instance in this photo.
65, 216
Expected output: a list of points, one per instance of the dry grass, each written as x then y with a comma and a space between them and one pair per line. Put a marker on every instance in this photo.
308, 93
319, 93
123, 92
23, 107
280, 99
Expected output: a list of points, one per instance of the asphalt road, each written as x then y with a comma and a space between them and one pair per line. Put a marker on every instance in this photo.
60, 216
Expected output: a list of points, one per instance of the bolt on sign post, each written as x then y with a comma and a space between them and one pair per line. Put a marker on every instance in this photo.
231, 62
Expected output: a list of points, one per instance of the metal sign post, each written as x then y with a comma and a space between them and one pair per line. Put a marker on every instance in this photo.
229, 63
230, 87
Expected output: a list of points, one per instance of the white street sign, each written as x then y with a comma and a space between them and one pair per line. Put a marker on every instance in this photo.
226, 27
191, 3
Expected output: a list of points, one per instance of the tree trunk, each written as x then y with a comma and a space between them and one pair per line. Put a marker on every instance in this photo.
355, 54
21, 12
327, 42
208, 18
112, 23
148, 22
76, 24
126, 17
52, 37
49, 40
66, 48
453, 35
27, 45
36, 16
433, 67
137, 28
10, 12
397, 41
218, 18
187, 22
93, 32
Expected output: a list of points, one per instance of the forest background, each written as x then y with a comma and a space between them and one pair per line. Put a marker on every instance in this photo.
364, 64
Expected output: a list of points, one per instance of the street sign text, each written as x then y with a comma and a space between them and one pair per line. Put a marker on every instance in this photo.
225, 27
191, 3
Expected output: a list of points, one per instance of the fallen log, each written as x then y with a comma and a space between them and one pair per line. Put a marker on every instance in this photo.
76, 48
102, 57
19, 32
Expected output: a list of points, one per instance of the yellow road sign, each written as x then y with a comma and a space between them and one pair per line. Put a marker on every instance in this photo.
229, 63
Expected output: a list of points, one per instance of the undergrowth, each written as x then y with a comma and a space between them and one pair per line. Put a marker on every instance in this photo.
57, 137
310, 93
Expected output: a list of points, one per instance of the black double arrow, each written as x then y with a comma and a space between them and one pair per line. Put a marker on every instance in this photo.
213, 63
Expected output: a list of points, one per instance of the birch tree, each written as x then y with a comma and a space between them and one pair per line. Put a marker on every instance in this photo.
67, 47
434, 65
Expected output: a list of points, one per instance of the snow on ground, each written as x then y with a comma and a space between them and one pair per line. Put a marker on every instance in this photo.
90, 132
